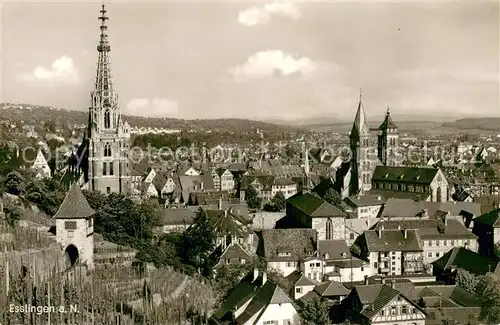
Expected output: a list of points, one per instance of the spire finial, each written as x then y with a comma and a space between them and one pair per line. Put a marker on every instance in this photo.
360, 94
103, 42
388, 110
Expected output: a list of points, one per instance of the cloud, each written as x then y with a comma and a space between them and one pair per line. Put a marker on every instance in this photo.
266, 64
61, 70
155, 107
262, 15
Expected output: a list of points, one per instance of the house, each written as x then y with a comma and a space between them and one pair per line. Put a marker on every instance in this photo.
437, 235
41, 166
148, 190
234, 254
381, 304
175, 220
284, 249
267, 186
215, 178
487, 228
256, 300
365, 206
445, 268
191, 172
423, 183
164, 185
315, 213
301, 285
231, 227
226, 180
392, 252
339, 264
332, 292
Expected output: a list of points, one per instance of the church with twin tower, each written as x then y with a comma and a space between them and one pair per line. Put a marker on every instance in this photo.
369, 148
103, 163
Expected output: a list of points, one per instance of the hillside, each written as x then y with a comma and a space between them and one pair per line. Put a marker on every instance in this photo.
404, 126
483, 123
32, 114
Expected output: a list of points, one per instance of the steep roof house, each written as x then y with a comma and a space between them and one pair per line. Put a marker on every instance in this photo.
256, 300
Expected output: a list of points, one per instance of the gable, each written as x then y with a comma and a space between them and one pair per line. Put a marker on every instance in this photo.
399, 306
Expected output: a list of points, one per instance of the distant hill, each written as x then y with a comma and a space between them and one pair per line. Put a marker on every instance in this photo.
404, 126
482, 123
32, 114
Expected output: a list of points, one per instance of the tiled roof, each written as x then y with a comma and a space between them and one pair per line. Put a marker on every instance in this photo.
176, 216
395, 207
74, 206
413, 175
314, 206
257, 295
298, 279
462, 258
365, 200
234, 253
416, 196
429, 228
491, 218
291, 244
374, 298
334, 248
331, 288
392, 241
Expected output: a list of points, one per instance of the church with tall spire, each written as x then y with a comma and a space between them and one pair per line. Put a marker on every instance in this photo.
101, 162
369, 147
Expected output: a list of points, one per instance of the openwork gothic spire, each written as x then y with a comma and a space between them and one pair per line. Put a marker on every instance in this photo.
104, 82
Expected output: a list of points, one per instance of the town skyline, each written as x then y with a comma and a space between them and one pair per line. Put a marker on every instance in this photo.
257, 60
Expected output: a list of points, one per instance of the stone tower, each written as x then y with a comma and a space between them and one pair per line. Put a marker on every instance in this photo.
363, 153
75, 228
108, 135
388, 142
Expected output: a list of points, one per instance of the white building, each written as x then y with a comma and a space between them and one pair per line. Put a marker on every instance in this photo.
40, 166
75, 228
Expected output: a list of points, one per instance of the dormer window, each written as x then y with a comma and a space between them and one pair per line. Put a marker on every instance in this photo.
401, 176
418, 177
284, 254
386, 175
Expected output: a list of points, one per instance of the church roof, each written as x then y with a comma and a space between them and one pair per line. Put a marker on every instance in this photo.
360, 126
74, 206
388, 123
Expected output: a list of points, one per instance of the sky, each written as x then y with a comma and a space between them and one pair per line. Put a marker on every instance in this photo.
260, 60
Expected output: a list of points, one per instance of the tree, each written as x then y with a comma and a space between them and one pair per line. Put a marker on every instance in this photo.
277, 203
496, 250
198, 242
13, 212
355, 250
315, 312
254, 202
466, 280
333, 197
490, 301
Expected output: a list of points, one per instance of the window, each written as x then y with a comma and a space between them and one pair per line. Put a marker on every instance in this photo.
437, 254
104, 168
108, 190
111, 168
452, 242
393, 310
437, 243
298, 290
430, 243
404, 310
317, 264
107, 119
270, 322
242, 261
429, 254
329, 230
107, 150
71, 233
70, 225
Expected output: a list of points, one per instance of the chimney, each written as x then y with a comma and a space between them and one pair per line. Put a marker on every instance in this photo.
383, 280
399, 227
220, 203
379, 198
264, 278
380, 232
405, 231
425, 213
201, 185
225, 213
255, 274
393, 283
366, 280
